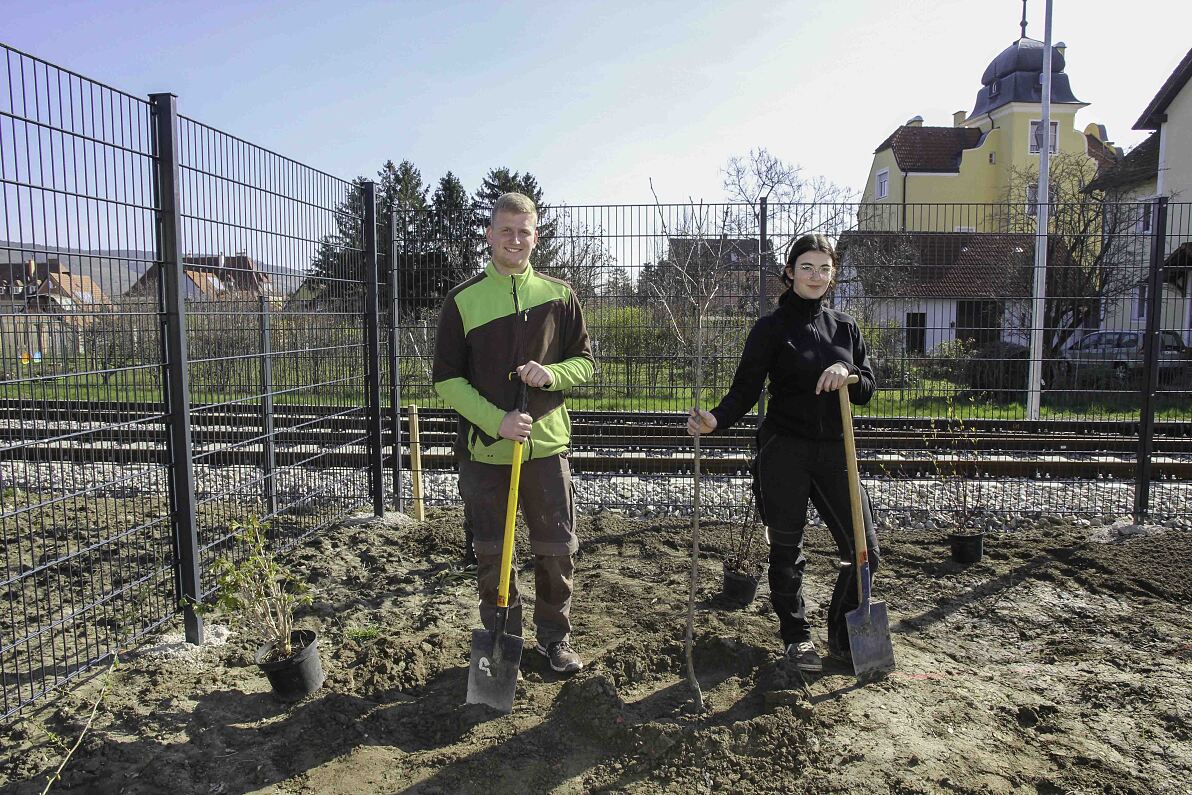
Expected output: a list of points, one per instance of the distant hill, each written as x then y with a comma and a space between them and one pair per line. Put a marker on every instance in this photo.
114, 271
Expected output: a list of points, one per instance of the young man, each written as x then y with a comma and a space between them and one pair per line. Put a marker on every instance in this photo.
505, 325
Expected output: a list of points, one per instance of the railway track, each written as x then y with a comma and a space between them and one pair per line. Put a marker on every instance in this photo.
632, 443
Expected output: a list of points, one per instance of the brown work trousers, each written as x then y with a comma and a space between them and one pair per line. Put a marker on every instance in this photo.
548, 506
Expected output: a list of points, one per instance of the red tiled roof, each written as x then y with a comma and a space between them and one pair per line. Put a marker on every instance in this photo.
1155, 113
80, 288
239, 271
940, 264
1140, 165
731, 253
930, 148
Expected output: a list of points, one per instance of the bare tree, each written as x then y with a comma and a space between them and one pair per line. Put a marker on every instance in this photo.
1094, 250
693, 271
796, 203
579, 254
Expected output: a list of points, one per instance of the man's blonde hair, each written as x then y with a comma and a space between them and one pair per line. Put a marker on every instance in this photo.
514, 203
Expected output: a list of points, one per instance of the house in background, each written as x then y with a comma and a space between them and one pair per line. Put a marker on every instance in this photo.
45, 287
44, 308
737, 267
213, 277
966, 190
940, 286
1159, 166
975, 160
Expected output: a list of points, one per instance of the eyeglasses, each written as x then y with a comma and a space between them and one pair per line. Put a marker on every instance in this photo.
823, 270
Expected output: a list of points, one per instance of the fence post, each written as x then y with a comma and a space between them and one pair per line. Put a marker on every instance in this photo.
372, 366
1152, 344
268, 444
395, 360
187, 576
763, 222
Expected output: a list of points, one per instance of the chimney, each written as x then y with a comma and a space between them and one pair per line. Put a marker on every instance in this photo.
915, 121
1060, 47
958, 118
31, 271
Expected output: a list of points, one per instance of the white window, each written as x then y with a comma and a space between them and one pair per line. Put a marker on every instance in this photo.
1140, 302
1144, 219
883, 184
1037, 135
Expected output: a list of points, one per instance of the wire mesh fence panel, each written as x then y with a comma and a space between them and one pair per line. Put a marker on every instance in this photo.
667, 292
944, 294
275, 279
1170, 496
84, 519
946, 297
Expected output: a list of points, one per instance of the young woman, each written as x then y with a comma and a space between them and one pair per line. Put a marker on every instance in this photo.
807, 351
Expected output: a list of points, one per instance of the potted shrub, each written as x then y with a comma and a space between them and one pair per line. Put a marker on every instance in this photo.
742, 568
260, 594
962, 490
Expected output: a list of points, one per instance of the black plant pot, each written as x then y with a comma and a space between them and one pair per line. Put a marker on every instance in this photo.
298, 675
739, 588
967, 547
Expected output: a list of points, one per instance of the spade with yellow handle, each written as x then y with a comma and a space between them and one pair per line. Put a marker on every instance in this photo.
496, 655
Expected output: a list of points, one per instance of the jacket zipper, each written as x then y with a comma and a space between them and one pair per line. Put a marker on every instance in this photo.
819, 362
520, 351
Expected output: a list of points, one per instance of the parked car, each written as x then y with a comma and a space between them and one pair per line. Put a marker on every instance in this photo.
1122, 352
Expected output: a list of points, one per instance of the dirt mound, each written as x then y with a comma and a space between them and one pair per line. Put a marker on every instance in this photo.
1059, 663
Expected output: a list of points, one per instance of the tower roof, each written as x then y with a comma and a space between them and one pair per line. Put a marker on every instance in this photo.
1014, 76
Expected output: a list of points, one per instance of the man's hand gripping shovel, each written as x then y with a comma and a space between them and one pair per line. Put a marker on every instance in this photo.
868, 625
496, 656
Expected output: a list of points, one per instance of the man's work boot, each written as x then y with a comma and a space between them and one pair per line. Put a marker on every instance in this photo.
562, 657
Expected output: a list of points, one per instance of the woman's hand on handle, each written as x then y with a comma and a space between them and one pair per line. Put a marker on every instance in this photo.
832, 379
700, 422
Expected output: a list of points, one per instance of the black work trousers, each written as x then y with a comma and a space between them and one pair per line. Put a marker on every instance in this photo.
790, 471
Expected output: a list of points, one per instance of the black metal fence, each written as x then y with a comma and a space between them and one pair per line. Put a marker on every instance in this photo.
195, 330
944, 294
186, 340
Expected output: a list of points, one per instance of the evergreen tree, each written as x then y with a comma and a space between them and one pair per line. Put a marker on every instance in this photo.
337, 266
401, 198
455, 228
502, 180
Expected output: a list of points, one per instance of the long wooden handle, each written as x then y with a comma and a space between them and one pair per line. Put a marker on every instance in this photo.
854, 492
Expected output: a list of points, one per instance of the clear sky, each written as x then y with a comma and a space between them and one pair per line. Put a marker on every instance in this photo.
593, 99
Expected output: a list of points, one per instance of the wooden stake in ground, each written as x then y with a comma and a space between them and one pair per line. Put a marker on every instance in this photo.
416, 465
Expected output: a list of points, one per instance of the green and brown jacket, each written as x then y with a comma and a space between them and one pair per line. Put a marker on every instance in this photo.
491, 324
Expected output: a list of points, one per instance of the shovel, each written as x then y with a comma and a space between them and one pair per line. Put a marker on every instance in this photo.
496, 656
868, 625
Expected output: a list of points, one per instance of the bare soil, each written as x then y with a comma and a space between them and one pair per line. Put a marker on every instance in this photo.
1058, 664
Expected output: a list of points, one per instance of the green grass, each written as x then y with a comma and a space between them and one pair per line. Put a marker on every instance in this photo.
662, 385
364, 633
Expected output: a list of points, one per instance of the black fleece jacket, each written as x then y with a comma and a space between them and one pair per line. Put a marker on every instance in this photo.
793, 345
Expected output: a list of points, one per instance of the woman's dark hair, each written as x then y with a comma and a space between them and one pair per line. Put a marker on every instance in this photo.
809, 242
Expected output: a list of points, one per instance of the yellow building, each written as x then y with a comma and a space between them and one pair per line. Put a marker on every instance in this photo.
975, 161
943, 248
